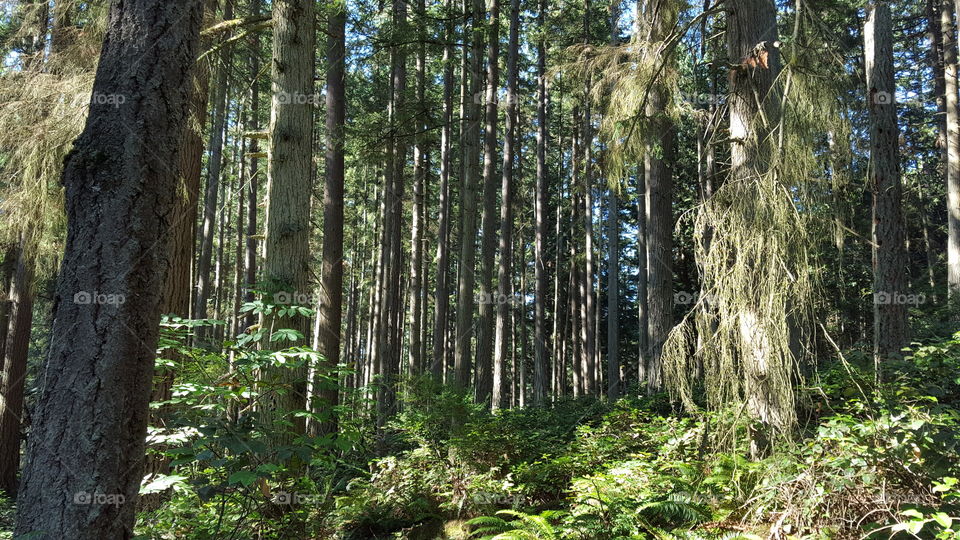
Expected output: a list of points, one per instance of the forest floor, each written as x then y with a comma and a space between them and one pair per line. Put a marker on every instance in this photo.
885, 460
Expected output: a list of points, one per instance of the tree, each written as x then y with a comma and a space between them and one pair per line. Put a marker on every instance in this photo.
13, 367
290, 184
442, 301
658, 173
504, 281
540, 376
889, 256
468, 251
331, 305
91, 415
952, 140
613, 261
214, 167
485, 337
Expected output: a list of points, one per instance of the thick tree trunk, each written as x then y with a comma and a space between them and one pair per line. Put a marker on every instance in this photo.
331, 303
175, 298
889, 254
754, 110
87, 435
613, 262
13, 369
290, 175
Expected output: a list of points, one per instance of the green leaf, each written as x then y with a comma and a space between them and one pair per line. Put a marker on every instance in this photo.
943, 519
242, 477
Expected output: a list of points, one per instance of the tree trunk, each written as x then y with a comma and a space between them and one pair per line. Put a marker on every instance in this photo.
504, 298
214, 163
290, 174
417, 282
660, 153
953, 149
7, 269
87, 434
13, 369
889, 255
540, 376
252, 195
175, 298
442, 303
484, 380
468, 250
331, 303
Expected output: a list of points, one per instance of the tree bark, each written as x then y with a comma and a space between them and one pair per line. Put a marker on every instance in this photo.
87, 436
331, 303
540, 376
889, 255
952, 148
504, 270
417, 282
13, 369
442, 302
468, 250
289, 188
214, 165
484, 379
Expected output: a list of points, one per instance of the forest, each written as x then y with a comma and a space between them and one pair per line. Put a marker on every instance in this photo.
479, 269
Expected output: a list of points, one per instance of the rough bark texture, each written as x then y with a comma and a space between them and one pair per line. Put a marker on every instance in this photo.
331, 303
290, 176
889, 254
175, 298
85, 455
